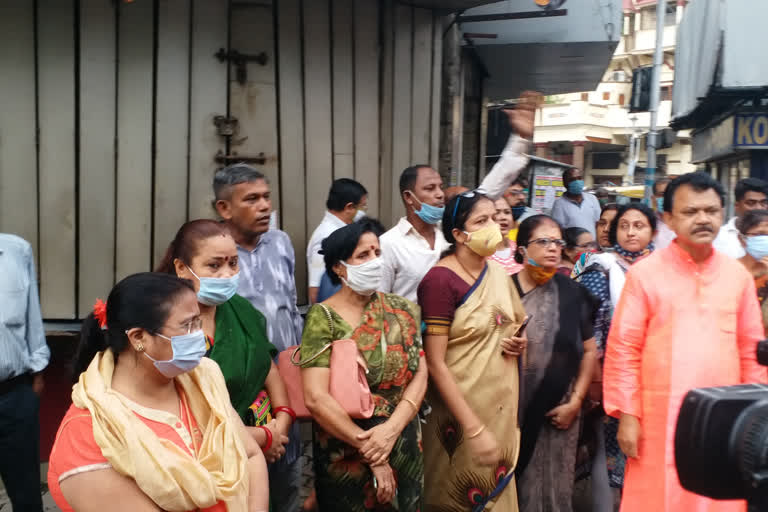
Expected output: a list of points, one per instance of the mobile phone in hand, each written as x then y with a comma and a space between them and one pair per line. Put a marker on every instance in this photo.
521, 330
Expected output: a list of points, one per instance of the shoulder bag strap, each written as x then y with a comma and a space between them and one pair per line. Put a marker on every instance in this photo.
322, 350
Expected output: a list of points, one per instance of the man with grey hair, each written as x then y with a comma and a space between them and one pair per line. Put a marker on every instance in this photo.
267, 280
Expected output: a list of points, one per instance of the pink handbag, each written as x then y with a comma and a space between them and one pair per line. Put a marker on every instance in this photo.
348, 382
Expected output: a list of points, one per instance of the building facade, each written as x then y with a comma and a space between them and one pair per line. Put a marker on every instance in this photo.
594, 130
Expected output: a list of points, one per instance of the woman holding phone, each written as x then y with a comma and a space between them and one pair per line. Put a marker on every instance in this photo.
472, 312
557, 368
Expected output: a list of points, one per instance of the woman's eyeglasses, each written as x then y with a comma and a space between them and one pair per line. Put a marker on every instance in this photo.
467, 194
545, 243
193, 325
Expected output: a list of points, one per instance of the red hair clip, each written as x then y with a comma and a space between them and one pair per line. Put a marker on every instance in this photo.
100, 313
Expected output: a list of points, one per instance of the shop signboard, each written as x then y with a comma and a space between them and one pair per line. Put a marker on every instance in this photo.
751, 131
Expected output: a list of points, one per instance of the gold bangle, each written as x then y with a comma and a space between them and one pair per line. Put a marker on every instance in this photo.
415, 407
479, 431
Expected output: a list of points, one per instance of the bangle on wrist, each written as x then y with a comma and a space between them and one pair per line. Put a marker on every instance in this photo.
411, 402
477, 433
268, 433
287, 410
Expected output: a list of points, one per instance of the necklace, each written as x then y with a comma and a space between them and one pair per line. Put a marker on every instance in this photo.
470, 274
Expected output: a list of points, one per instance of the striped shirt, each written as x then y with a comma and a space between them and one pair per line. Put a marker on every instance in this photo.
22, 338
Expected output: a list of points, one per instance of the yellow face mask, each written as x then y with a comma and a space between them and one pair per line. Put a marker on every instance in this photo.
484, 241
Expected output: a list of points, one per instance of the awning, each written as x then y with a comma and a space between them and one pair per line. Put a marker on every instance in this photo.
564, 46
447, 5
635, 192
718, 59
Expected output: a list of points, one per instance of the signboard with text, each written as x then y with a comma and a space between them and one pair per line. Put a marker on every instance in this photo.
750, 131
546, 188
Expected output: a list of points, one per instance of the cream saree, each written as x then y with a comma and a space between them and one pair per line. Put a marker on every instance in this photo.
490, 311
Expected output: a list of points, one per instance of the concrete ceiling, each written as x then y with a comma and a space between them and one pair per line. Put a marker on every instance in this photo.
552, 68
446, 5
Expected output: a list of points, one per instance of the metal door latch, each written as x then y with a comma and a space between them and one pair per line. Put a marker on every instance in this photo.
240, 60
227, 126
223, 159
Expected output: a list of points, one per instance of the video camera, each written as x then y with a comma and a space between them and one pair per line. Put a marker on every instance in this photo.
721, 441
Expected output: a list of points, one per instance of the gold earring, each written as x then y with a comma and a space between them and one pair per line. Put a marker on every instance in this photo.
139, 347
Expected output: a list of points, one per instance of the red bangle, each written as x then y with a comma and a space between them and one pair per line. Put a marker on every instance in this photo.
269, 438
421, 353
287, 410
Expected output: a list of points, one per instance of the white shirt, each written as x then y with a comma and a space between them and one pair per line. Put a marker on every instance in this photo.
664, 235
315, 262
727, 241
506, 170
407, 257
617, 275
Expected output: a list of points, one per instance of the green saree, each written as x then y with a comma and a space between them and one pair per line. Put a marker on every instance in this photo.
243, 352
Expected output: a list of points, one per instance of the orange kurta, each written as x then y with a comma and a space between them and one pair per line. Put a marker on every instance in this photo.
678, 326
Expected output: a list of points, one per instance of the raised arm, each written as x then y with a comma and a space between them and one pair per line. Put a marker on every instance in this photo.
506, 170
513, 158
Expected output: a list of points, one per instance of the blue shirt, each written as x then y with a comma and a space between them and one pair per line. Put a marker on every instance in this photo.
267, 280
22, 338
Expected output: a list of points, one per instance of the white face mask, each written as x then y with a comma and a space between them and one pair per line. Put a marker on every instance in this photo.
365, 278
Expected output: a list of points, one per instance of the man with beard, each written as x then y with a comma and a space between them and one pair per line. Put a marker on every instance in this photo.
267, 280
688, 317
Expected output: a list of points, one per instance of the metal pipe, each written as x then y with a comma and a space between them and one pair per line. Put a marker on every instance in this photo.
653, 135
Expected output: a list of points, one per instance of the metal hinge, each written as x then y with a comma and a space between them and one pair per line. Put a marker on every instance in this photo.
240, 60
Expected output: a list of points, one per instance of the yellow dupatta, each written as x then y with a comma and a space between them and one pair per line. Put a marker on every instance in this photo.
163, 471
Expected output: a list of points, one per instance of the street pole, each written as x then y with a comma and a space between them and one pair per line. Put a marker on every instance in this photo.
653, 134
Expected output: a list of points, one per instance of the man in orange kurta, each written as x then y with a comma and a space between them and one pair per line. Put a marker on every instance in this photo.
688, 317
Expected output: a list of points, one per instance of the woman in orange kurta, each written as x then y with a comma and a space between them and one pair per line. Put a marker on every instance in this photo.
688, 317
151, 424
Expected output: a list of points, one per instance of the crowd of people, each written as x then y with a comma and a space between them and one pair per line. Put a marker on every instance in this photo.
506, 354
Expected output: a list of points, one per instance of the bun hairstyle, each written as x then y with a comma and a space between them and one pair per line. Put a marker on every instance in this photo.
141, 300
341, 244
185, 244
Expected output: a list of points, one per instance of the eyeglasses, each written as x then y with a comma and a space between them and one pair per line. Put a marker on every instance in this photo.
544, 243
193, 325
468, 194
588, 245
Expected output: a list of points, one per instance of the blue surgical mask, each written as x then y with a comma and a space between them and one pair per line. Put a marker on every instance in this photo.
757, 246
576, 187
188, 350
660, 204
428, 213
216, 290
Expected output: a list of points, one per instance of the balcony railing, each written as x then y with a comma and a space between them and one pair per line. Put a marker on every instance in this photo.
615, 117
